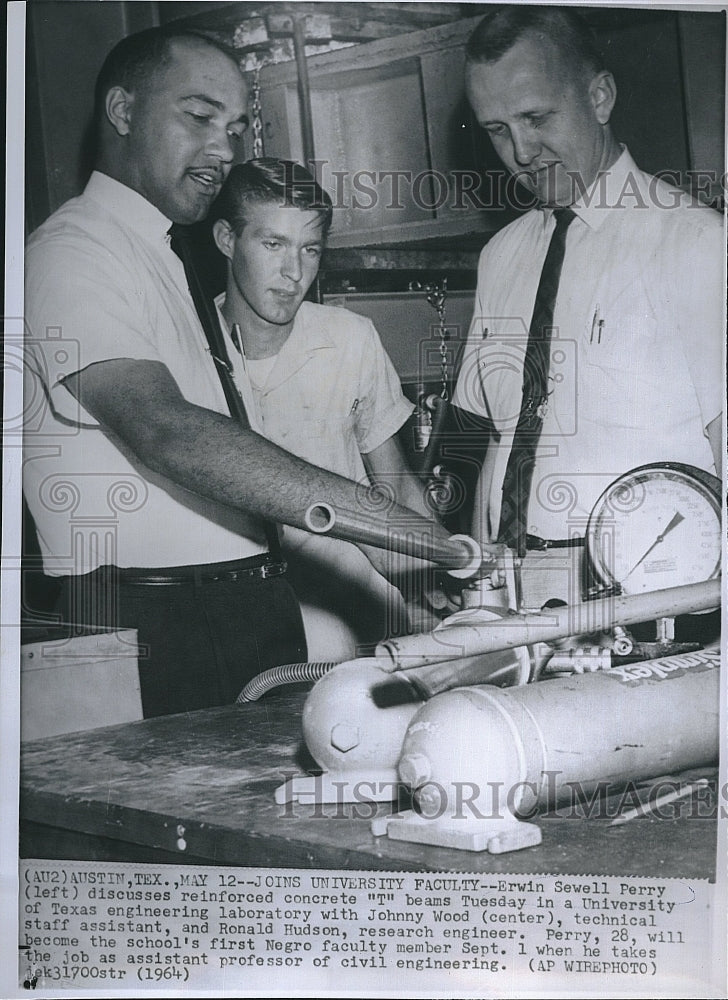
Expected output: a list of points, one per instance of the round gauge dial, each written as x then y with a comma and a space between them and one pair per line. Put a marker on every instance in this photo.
658, 526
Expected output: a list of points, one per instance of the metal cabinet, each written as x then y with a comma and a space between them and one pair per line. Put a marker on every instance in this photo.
392, 136
398, 150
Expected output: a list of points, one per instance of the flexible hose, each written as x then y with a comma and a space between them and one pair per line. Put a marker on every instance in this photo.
285, 673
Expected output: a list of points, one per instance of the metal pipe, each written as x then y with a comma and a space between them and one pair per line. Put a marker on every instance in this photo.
304, 91
506, 668
453, 642
417, 537
439, 410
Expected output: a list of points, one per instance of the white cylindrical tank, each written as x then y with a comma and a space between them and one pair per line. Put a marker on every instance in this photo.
354, 718
353, 722
518, 747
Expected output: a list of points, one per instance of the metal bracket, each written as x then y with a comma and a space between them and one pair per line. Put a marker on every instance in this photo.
497, 836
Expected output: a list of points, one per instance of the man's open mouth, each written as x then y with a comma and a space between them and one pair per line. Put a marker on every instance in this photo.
208, 180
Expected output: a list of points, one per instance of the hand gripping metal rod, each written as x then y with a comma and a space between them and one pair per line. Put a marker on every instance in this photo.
452, 642
417, 537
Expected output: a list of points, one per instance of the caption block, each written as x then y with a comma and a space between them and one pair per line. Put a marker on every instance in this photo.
85, 925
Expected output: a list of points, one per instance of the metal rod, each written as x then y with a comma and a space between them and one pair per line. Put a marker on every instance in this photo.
417, 536
304, 91
502, 669
453, 642
439, 412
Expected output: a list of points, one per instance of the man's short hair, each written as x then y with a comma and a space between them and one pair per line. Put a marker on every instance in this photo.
273, 182
133, 61
499, 31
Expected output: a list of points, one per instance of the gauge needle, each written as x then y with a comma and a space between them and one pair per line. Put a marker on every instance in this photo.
677, 518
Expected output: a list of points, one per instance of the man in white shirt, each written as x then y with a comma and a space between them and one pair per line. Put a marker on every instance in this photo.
636, 347
318, 382
147, 497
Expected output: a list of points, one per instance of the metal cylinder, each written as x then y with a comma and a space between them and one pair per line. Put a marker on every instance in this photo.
517, 748
417, 536
452, 642
355, 718
504, 668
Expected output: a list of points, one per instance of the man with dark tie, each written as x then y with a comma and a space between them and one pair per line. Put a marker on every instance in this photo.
153, 506
596, 342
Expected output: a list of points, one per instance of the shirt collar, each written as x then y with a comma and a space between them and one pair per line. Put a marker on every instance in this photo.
606, 190
310, 336
219, 301
305, 336
128, 206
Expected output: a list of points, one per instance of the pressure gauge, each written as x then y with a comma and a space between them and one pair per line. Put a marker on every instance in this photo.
655, 527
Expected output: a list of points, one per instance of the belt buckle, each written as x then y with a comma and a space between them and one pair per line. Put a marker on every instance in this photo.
272, 569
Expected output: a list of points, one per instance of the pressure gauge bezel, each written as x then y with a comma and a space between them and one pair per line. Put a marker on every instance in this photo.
600, 576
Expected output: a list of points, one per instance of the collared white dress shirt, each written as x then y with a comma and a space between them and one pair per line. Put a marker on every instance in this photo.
637, 348
103, 283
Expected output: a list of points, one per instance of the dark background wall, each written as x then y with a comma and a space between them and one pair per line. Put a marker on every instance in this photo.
669, 67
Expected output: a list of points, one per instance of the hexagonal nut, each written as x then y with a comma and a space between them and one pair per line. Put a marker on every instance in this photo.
344, 737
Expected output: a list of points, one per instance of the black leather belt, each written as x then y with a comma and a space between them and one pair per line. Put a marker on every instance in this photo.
536, 544
256, 567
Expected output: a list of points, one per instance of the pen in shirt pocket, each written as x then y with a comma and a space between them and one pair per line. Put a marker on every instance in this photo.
597, 326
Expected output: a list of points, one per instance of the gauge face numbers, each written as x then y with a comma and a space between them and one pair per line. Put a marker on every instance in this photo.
655, 529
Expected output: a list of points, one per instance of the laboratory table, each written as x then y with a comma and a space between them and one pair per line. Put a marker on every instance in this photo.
198, 788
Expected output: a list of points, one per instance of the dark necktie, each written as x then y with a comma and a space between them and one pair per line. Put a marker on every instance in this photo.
522, 459
181, 244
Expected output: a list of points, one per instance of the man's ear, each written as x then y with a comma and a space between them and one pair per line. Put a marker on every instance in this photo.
224, 238
118, 109
603, 94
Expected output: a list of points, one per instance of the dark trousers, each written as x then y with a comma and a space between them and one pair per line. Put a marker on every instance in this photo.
200, 640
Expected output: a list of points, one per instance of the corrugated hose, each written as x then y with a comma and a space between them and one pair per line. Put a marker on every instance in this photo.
285, 673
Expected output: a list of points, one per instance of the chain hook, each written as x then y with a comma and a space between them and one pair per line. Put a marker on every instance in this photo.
258, 147
436, 295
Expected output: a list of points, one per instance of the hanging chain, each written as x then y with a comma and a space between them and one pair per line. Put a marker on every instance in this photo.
439, 304
436, 295
258, 148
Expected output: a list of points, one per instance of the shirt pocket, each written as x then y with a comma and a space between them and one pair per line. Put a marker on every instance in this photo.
329, 442
629, 369
623, 330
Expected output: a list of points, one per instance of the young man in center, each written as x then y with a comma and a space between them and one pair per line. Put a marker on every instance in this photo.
316, 381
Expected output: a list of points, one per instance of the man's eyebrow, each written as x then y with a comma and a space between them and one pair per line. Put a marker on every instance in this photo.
205, 98
534, 113
270, 234
218, 105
